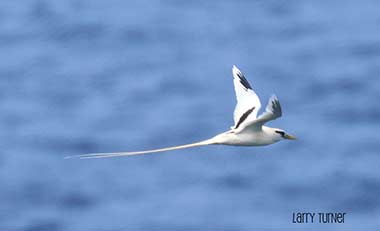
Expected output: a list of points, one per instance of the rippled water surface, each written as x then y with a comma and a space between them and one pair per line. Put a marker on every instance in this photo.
100, 76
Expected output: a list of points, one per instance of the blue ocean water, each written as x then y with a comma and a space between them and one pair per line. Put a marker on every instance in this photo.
103, 76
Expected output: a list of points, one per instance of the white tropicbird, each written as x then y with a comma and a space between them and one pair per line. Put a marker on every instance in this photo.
248, 130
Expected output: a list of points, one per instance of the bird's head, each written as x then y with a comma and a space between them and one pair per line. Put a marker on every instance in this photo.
281, 134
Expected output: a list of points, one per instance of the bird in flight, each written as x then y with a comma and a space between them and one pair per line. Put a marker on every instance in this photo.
248, 130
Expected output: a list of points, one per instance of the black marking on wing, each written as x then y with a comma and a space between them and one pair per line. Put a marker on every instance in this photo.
244, 81
244, 116
276, 107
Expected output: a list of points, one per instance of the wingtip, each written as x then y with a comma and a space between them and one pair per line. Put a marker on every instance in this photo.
273, 97
235, 70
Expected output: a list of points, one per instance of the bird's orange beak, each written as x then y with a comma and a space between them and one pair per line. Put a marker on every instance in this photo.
289, 137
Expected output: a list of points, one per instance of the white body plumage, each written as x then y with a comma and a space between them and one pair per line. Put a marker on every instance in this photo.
248, 138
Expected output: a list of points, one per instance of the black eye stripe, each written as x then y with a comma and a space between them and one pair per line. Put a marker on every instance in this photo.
280, 132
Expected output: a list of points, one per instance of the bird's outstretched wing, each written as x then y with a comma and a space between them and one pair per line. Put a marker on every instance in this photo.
272, 112
248, 103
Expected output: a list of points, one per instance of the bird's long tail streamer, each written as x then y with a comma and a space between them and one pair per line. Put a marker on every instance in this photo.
119, 154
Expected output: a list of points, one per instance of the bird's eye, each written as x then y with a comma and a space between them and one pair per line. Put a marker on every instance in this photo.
280, 132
